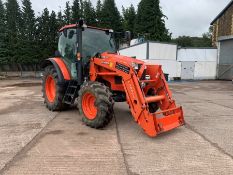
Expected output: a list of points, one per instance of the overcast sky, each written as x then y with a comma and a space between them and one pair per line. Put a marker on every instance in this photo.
185, 17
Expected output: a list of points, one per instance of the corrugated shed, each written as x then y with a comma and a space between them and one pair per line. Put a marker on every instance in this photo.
139, 51
162, 51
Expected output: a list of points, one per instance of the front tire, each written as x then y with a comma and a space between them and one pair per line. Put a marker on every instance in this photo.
52, 92
95, 104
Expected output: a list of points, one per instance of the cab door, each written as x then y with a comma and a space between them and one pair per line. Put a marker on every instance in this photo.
67, 47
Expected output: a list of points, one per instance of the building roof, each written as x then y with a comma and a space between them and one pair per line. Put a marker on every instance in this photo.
224, 38
222, 12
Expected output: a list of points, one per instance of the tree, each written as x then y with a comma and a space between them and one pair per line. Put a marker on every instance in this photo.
184, 41
13, 22
99, 16
42, 35
60, 19
111, 17
67, 13
28, 18
47, 37
81, 9
76, 11
53, 29
187, 41
207, 37
129, 16
27, 36
150, 21
3, 48
89, 13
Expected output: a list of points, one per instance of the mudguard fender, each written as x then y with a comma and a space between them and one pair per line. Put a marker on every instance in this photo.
61, 68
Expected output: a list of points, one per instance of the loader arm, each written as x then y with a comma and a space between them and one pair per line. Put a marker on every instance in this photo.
168, 117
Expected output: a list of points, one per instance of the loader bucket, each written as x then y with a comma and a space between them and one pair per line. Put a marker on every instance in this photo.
168, 116
169, 119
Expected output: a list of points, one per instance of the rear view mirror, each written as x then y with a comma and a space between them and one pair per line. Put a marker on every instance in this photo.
127, 35
107, 32
65, 32
71, 34
58, 54
81, 23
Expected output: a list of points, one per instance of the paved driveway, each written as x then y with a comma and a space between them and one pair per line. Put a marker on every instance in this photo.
36, 141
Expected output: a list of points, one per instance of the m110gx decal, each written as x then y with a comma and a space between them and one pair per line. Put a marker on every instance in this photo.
122, 68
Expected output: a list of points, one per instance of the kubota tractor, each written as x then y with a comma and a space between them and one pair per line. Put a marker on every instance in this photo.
88, 69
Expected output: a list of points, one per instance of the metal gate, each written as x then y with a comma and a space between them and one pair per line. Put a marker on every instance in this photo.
187, 70
225, 67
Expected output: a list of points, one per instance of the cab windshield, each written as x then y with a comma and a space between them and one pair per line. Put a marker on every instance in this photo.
96, 41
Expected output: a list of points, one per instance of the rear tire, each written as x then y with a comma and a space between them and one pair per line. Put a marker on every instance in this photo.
52, 92
95, 104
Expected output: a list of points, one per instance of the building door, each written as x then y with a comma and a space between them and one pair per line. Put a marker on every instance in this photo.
187, 70
225, 67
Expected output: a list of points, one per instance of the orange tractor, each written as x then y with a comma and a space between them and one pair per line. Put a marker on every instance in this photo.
88, 69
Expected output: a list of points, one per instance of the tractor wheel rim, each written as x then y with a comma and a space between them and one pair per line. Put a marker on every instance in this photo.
88, 106
50, 87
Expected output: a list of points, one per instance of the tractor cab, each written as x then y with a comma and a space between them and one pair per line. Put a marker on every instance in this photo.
78, 43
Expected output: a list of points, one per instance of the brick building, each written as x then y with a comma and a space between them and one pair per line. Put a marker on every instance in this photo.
223, 39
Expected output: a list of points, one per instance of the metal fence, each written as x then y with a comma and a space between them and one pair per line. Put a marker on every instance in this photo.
21, 70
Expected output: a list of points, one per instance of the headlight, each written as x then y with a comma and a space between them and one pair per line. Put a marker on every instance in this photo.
147, 77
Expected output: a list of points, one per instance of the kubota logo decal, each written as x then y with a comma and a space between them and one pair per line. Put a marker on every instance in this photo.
108, 63
122, 68
105, 62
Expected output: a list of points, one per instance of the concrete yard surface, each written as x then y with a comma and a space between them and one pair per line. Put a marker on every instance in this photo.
34, 140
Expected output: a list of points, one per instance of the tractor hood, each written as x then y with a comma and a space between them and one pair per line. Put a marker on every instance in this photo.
121, 58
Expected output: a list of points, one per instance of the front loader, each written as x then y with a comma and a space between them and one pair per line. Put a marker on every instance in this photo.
88, 69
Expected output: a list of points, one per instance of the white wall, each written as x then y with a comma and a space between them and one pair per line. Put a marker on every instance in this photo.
205, 70
191, 54
161, 51
138, 50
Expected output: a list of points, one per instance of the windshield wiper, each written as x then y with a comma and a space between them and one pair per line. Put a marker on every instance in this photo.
110, 43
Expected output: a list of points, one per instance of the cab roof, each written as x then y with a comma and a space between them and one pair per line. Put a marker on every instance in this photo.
70, 26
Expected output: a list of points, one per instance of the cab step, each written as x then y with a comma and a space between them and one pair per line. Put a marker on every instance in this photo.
71, 92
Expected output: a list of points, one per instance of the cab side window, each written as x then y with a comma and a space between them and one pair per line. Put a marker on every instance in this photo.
68, 46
